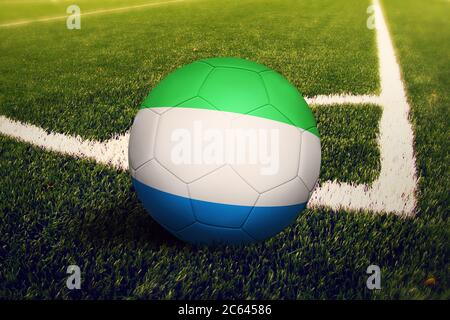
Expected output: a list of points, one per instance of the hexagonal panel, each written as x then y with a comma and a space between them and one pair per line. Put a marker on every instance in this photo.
178, 86
310, 158
200, 233
156, 176
142, 138
270, 112
290, 193
159, 110
276, 151
265, 222
234, 90
197, 102
186, 141
276, 209
288, 100
236, 63
164, 196
222, 198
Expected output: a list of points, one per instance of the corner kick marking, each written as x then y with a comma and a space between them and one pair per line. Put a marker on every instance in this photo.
392, 192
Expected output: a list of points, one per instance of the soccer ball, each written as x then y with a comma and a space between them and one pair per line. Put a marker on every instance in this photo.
224, 150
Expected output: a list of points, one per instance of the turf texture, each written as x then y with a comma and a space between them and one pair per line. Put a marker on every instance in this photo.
56, 210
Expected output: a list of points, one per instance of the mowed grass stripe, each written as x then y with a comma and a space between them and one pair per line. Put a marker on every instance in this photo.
90, 82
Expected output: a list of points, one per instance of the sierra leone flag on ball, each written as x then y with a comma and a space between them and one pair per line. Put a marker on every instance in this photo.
224, 150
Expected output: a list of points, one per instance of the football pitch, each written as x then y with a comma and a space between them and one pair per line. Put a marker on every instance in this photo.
375, 74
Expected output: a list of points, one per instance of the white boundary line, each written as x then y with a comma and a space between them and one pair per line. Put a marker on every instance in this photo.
113, 152
394, 190
342, 99
89, 13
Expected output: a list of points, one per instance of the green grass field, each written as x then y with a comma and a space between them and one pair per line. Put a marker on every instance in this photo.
56, 210
12, 11
75, 82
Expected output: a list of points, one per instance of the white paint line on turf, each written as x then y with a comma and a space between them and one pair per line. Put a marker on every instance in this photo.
112, 152
89, 13
342, 99
393, 191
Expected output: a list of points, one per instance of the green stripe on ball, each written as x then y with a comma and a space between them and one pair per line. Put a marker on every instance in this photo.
233, 85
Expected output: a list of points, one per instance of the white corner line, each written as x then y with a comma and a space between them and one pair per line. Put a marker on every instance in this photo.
113, 152
88, 13
394, 190
342, 99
